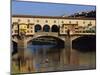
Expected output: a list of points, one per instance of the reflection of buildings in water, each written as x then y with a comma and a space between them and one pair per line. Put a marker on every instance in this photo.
52, 58
48, 57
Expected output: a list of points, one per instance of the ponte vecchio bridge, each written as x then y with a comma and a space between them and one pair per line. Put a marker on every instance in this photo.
37, 26
61, 28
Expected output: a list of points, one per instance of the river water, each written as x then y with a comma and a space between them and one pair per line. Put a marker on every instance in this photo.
49, 56
54, 58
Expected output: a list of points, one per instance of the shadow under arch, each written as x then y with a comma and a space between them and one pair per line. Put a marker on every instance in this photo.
85, 43
47, 52
59, 42
14, 47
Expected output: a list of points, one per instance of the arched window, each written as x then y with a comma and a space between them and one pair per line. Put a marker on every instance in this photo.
37, 28
55, 28
46, 28
69, 22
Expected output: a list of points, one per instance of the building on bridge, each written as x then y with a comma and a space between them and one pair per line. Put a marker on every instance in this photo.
33, 24
56, 27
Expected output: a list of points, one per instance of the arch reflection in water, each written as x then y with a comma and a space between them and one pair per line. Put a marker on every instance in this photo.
45, 55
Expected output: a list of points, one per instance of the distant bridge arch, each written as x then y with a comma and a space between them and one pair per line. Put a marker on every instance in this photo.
85, 43
77, 36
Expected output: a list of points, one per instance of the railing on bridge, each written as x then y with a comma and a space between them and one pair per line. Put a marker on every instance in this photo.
46, 34
54, 34
83, 34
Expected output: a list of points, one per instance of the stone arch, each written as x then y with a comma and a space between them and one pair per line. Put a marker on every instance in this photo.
45, 51
55, 28
46, 28
48, 36
85, 43
38, 28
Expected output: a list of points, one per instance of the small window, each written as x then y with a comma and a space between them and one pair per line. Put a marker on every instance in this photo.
37, 20
62, 31
19, 20
31, 27
54, 21
76, 28
31, 31
28, 20
15, 23
76, 22
90, 22
46, 21
69, 22
28, 31
83, 22
65, 27
62, 21
27, 26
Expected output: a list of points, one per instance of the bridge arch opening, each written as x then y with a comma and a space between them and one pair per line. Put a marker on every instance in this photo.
14, 47
38, 28
85, 43
57, 41
55, 28
47, 49
46, 28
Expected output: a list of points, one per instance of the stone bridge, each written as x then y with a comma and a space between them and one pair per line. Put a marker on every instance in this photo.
65, 55
40, 34
53, 34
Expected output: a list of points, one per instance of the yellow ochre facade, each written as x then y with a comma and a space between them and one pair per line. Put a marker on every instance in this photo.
28, 23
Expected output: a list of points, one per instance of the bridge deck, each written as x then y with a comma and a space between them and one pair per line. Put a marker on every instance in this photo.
83, 34
46, 34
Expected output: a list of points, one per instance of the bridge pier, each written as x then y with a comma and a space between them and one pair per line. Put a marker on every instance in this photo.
74, 57
68, 55
65, 53
21, 53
